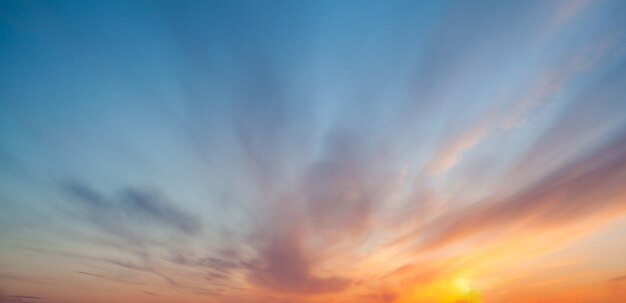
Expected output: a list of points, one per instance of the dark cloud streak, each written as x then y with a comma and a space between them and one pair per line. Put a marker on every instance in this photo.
131, 204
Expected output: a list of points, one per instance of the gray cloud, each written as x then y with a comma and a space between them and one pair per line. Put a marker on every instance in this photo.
155, 207
24, 299
130, 205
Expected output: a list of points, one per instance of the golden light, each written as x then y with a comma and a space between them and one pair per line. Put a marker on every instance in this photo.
462, 284
455, 290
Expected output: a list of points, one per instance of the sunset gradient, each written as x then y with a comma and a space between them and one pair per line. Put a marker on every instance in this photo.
313, 151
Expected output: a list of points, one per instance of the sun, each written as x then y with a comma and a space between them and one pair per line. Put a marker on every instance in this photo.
462, 292
456, 290
462, 284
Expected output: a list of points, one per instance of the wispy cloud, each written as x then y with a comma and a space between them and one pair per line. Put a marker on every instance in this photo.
585, 187
114, 214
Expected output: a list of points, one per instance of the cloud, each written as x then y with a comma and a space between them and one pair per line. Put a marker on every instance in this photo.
218, 264
544, 88
25, 279
579, 125
115, 214
451, 153
584, 188
386, 296
24, 299
568, 11
330, 207
155, 207
146, 268
618, 279
105, 277
338, 189
283, 266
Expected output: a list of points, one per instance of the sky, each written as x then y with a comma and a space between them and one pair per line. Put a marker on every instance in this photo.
313, 151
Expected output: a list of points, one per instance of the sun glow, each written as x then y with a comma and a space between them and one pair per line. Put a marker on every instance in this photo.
462, 284
456, 290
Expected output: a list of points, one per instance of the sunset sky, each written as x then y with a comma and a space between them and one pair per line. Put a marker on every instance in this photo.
313, 151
